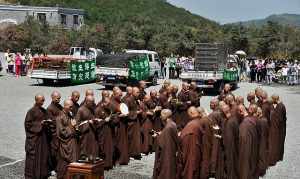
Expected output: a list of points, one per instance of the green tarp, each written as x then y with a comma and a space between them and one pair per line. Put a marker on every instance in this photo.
230, 75
139, 68
82, 71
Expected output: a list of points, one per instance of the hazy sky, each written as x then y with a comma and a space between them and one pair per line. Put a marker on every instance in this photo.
224, 11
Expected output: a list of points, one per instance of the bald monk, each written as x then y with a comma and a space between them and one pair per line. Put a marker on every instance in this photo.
216, 120
226, 91
194, 95
155, 99
134, 134
120, 133
53, 111
66, 134
184, 99
88, 92
207, 142
86, 125
248, 143
263, 134
168, 144
75, 98
230, 135
36, 144
191, 157
277, 130
146, 124
104, 131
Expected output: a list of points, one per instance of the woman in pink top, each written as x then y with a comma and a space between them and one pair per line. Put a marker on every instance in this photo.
18, 63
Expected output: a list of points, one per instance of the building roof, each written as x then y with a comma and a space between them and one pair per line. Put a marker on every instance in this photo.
4, 7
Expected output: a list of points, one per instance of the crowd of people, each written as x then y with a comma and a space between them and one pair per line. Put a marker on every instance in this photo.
269, 71
17, 63
232, 141
175, 65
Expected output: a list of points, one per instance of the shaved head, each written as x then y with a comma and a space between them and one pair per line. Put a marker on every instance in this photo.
229, 99
252, 109
202, 112
136, 92
55, 96
68, 105
240, 100
214, 103
153, 93
193, 112
129, 90
251, 96
147, 97
227, 87
275, 98
105, 94
165, 114
75, 96
89, 92
39, 99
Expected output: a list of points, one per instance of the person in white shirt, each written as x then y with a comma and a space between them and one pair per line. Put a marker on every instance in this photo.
284, 73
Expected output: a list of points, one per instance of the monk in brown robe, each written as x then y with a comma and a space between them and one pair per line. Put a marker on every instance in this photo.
229, 150
75, 98
165, 165
258, 94
191, 149
157, 123
36, 144
53, 111
66, 134
194, 95
248, 144
120, 133
277, 131
216, 120
134, 132
104, 131
226, 91
146, 124
184, 100
263, 133
266, 105
207, 142
85, 120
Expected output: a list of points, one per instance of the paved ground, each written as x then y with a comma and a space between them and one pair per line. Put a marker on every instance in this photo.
16, 97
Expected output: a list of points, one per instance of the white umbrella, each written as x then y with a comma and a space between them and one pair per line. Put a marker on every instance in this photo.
240, 52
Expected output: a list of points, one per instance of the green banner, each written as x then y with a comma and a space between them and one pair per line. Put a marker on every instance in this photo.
139, 68
82, 71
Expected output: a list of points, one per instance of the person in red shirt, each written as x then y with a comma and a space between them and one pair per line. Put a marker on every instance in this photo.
18, 63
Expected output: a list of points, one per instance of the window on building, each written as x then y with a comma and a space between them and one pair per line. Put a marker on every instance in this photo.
75, 20
41, 18
63, 19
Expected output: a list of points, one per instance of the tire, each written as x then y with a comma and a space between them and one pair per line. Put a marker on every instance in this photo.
48, 82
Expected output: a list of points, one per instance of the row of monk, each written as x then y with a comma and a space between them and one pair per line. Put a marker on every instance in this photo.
234, 141
188, 143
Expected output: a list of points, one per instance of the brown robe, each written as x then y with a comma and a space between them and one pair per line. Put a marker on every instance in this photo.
228, 156
53, 111
88, 139
183, 97
263, 133
277, 133
75, 108
207, 142
104, 133
36, 145
134, 132
68, 147
248, 149
191, 153
165, 166
216, 119
194, 98
120, 134
146, 128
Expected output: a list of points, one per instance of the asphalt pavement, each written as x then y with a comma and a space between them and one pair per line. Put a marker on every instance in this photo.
17, 96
